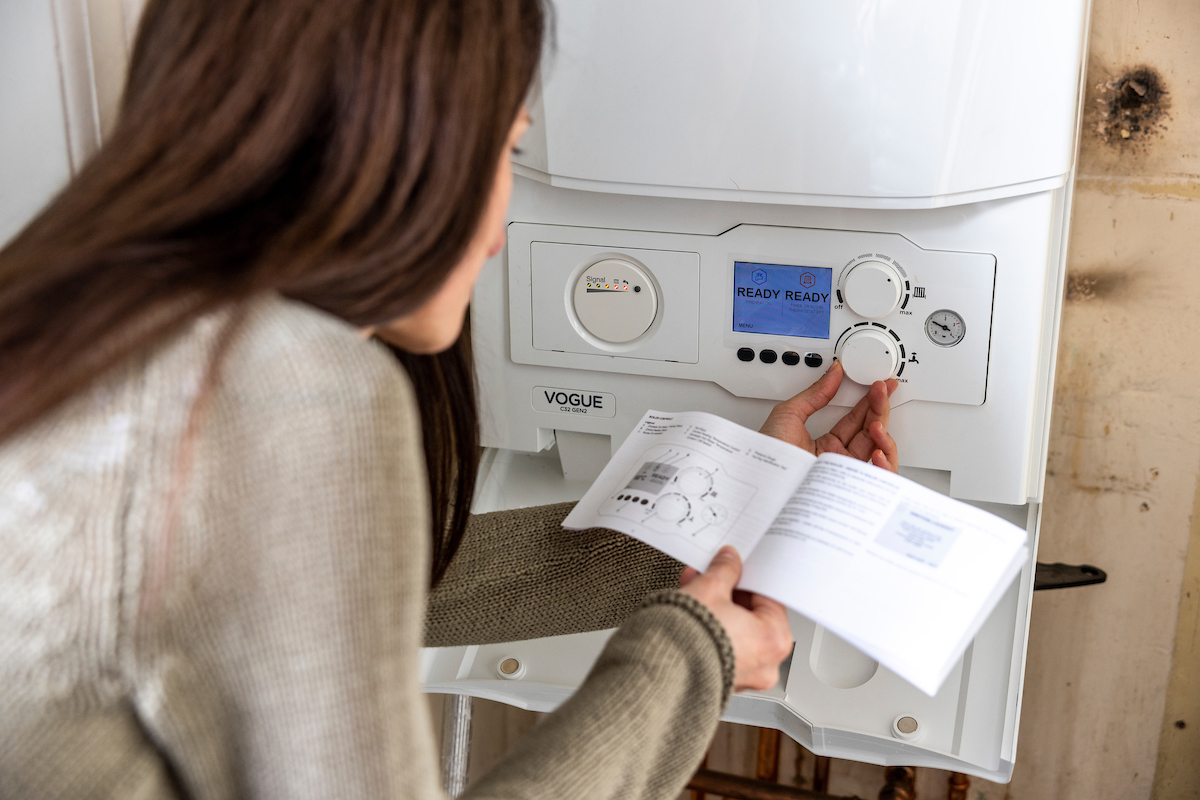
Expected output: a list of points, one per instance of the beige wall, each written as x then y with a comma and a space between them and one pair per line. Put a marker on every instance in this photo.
1124, 463
1125, 448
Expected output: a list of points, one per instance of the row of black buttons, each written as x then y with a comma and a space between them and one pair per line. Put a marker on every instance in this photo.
790, 357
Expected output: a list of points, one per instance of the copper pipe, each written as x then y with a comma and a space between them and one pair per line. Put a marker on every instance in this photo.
767, 768
959, 785
821, 774
900, 784
798, 767
697, 794
735, 787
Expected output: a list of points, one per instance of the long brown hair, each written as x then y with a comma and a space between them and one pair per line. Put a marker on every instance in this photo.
340, 153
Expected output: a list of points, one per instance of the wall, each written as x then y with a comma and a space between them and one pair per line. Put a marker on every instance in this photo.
1110, 672
1125, 447
63, 64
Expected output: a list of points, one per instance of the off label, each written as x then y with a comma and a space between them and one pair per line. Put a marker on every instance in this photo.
574, 401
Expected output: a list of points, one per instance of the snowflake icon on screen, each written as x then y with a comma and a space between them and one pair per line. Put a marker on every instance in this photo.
808, 280
759, 276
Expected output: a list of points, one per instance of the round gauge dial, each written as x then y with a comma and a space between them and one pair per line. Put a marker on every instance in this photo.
945, 328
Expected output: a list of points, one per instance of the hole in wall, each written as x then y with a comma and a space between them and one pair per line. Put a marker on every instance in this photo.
1131, 108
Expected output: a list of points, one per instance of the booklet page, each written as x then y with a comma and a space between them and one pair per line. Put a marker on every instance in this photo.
689, 483
898, 570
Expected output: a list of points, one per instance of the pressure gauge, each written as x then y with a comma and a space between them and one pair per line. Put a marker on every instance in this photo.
945, 328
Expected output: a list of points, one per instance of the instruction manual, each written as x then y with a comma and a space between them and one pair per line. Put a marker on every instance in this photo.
903, 573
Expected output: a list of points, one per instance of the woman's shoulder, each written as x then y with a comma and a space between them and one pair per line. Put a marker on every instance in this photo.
277, 378
285, 344
276, 361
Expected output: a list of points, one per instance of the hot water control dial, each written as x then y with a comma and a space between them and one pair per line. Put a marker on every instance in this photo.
872, 289
869, 355
615, 300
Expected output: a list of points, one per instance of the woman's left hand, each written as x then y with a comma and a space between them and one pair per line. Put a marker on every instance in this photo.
861, 434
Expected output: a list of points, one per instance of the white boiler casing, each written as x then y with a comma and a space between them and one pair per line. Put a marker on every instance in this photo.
687, 157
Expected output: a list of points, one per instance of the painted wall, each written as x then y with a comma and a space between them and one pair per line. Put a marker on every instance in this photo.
1112, 669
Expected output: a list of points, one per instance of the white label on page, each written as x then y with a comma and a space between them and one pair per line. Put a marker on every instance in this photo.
920, 534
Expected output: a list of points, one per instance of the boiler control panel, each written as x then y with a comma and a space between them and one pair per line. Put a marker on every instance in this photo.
759, 310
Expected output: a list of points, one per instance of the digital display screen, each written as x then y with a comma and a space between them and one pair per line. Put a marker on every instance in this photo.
781, 300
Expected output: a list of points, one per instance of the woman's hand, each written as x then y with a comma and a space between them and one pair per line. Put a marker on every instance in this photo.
757, 626
862, 433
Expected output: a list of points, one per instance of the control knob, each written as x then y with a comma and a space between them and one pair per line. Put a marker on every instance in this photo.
872, 289
869, 355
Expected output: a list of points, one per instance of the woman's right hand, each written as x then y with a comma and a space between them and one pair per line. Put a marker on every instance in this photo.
757, 626
862, 433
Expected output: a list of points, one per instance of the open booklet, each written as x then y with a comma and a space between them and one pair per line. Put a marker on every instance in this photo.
901, 572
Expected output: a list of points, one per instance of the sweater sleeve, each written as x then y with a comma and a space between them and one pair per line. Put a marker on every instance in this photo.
520, 575
641, 722
643, 718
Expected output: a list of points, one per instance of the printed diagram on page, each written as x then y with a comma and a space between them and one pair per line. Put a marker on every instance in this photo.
679, 491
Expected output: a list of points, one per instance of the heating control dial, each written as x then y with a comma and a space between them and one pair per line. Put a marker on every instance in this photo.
872, 289
869, 355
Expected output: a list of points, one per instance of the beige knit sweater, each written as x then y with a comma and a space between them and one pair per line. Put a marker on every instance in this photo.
237, 612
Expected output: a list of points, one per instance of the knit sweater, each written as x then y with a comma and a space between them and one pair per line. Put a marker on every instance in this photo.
225, 597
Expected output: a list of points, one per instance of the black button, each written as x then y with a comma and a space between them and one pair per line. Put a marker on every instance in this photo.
813, 359
767, 356
791, 358
745, 354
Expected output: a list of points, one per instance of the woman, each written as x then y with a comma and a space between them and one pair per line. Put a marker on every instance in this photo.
221, 503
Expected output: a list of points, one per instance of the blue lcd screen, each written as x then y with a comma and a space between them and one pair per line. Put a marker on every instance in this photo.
781, 300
